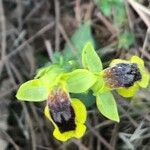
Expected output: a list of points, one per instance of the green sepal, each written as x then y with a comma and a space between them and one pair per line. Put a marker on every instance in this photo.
42, 71
90, 59
98, 86
51, 77
80, 80
33, 91
107, 106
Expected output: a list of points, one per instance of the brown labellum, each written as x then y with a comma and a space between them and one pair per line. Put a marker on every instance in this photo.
122, 75
61, 110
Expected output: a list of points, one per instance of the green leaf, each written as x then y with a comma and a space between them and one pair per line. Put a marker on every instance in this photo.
80, 80
57, 58
87, 98
81, 36
90, 59
105, 6
32, 90
126, 40
107, 106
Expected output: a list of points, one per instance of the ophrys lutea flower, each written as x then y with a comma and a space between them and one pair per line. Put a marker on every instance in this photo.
67, 115
126, 76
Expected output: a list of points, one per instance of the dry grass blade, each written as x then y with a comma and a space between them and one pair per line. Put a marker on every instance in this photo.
40, 32
137, 7
6, 137
3, 31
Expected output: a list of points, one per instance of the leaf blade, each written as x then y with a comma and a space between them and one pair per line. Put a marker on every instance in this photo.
107, 106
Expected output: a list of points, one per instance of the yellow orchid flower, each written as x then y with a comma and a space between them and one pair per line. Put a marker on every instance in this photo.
67, 115
126, 76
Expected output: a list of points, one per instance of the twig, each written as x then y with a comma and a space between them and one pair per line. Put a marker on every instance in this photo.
100, 138
80, 145
39, 33
137, 8
67, 39
29, 122
109, 25
3, 30
134, 123
146, 40
114, 136
37, 118
78, 11
129, 15
49, 48
33, 11
57, 18
6, 136
19, 17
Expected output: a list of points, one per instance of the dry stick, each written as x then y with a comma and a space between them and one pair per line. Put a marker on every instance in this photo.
10, 73
19, 14
40, 147
78, 11
145, 53
37, 118
28, 119
7, 137
103, 124
34, 10
57, 18
88, 14
67, 39
134, 123
141, 7
109, 26
129, 15
39, 33
100, 138
7, 92
146, 41
79, 144
49, 48
3, 31
114, 136
29, 56
136, 7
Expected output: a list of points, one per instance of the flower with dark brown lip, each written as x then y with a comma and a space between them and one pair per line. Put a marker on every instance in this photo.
67, 115
125, 76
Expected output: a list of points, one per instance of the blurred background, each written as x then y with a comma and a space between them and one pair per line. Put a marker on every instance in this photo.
36, 32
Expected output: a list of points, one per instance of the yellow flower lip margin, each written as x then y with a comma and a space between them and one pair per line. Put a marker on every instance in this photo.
80, 118
143, 83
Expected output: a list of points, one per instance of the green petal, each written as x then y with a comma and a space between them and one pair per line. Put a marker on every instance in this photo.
128, 92
32, 90
90, 59
80, 80
107, 106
